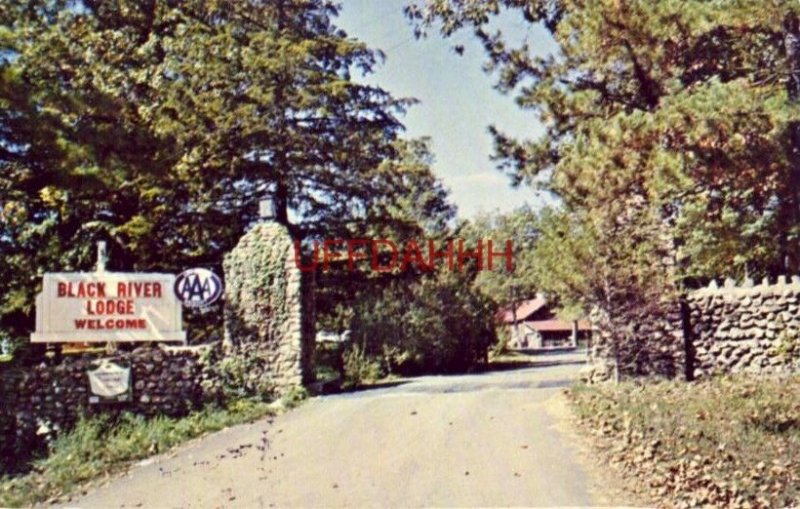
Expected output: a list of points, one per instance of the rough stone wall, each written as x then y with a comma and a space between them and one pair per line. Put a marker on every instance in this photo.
269, 326
655, 347
748, 328
53, 396
731, 329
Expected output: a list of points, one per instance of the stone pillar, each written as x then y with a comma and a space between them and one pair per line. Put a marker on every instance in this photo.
269, 322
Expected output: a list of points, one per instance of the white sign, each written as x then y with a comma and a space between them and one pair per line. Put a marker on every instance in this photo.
110, 380
78, 307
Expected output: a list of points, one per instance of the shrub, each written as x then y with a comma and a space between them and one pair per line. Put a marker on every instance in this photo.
329, 361
501, 345
359, 367
435, 325
294, 397
239, 374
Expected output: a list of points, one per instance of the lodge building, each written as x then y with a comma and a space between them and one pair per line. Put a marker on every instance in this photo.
532, 324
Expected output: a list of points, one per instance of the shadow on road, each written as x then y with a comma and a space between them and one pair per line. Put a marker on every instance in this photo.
380, 385
508, 366
334, 387
526, 359
526, 363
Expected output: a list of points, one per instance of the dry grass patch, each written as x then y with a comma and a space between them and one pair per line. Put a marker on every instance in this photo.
726, 442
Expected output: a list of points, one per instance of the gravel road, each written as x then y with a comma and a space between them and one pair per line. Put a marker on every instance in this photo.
485, 440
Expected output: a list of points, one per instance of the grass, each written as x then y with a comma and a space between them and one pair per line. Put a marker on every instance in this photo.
725, 442
97, 447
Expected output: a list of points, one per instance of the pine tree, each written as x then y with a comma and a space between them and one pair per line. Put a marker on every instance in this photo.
158, 125
669, 137
681, 104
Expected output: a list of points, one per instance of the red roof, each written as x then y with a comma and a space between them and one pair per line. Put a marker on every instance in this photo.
547, 323
524, 309
557, 325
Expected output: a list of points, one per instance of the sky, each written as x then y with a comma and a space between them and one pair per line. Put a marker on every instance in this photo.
457, 99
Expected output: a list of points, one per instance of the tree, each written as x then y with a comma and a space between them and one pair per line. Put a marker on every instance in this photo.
611, 269
425, 323
502, 286
416, 319
666, 122
412, 205
521, 229
159, 125
679, 103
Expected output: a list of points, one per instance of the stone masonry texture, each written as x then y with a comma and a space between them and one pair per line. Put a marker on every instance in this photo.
50, 397
269, 318
733, 328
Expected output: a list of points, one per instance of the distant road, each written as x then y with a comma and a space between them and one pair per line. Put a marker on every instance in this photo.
485, 440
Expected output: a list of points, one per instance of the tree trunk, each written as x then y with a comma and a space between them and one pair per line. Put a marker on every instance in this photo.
514, 318
514, 314
791, 39
282, 203
688, 343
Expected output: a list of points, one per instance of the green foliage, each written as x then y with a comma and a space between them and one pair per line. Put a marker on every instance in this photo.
501, 345
388, 312
521, 228
256, 278
667, 126
233, 374
294, 397
158, 126
725, 442
359, 368
415, 206
436, 324
328, 361
97, 447
414, 202
588, 262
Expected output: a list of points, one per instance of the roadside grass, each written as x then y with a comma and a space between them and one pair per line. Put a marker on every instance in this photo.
724, 442
99, 446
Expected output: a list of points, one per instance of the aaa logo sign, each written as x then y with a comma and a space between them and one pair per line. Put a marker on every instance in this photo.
197, 288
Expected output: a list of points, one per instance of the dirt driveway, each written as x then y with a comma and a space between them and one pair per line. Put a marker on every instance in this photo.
484, 440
